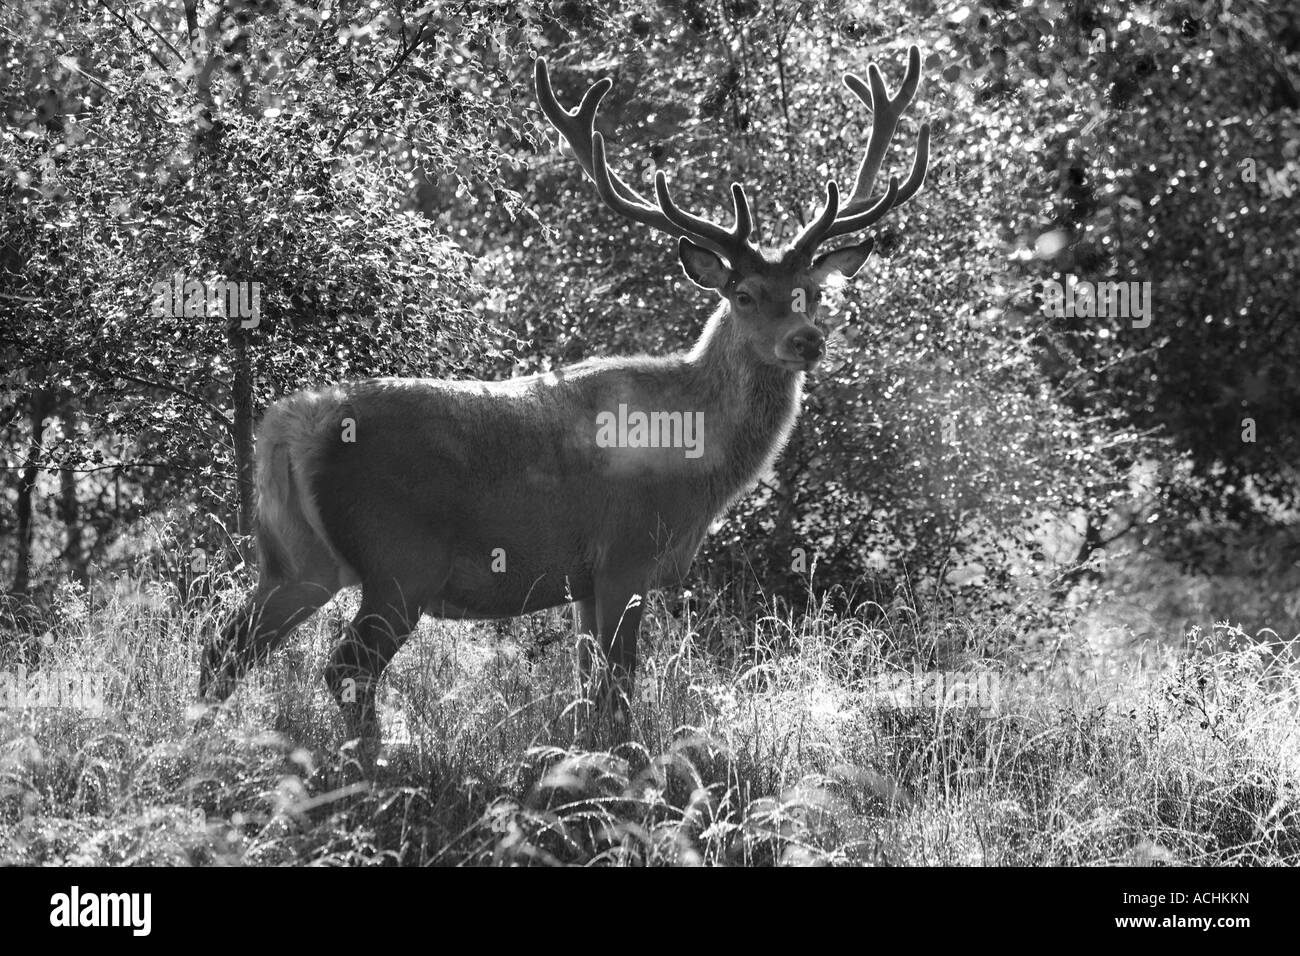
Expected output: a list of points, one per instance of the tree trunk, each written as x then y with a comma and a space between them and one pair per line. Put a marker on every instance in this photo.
204, 60
74, 554
37, 413
1081, 569
242, 399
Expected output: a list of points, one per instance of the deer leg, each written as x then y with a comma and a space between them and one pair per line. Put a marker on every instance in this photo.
382, 625
618, 619
585, 619
257, 629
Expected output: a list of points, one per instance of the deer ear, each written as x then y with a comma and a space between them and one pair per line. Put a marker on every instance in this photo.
845, 262
703, 267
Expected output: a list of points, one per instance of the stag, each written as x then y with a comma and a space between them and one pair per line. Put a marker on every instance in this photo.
475, 499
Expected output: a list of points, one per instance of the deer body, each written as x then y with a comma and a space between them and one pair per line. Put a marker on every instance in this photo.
493, 499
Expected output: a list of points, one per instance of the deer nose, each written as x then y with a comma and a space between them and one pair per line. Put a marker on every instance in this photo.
807, 343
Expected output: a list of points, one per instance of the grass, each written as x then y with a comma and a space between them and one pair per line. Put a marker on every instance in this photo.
759, 744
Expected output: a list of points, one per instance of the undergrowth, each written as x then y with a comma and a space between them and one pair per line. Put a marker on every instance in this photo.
781, 741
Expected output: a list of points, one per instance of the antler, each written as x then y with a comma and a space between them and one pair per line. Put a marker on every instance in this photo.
859, 212
578, 127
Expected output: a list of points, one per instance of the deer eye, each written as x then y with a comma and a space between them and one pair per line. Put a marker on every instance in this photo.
744, 299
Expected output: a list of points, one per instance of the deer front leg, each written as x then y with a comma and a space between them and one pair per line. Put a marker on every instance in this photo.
617, 609
618, 614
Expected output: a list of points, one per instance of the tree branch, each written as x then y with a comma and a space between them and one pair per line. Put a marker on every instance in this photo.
215, 409
123, 466
134, 36
154, 30
407, 50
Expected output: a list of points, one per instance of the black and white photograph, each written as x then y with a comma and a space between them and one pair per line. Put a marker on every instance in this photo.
850, 434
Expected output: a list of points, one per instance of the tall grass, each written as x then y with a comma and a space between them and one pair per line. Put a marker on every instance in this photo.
753, 744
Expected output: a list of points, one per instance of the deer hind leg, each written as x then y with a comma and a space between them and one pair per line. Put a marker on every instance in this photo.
257, 629
383, 623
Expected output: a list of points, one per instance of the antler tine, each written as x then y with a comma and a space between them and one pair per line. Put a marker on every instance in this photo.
860, 212
740, 210
815, 231
633, 207
578, 127
644, 212
731, 243
885, 113
895, 196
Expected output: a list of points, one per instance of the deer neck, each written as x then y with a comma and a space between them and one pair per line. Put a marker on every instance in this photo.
753, 404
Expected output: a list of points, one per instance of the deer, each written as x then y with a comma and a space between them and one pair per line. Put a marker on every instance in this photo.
588, 485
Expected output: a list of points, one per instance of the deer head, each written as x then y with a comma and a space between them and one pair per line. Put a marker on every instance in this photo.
773, 295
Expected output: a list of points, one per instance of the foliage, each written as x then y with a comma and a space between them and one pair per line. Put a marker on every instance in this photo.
387, 178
